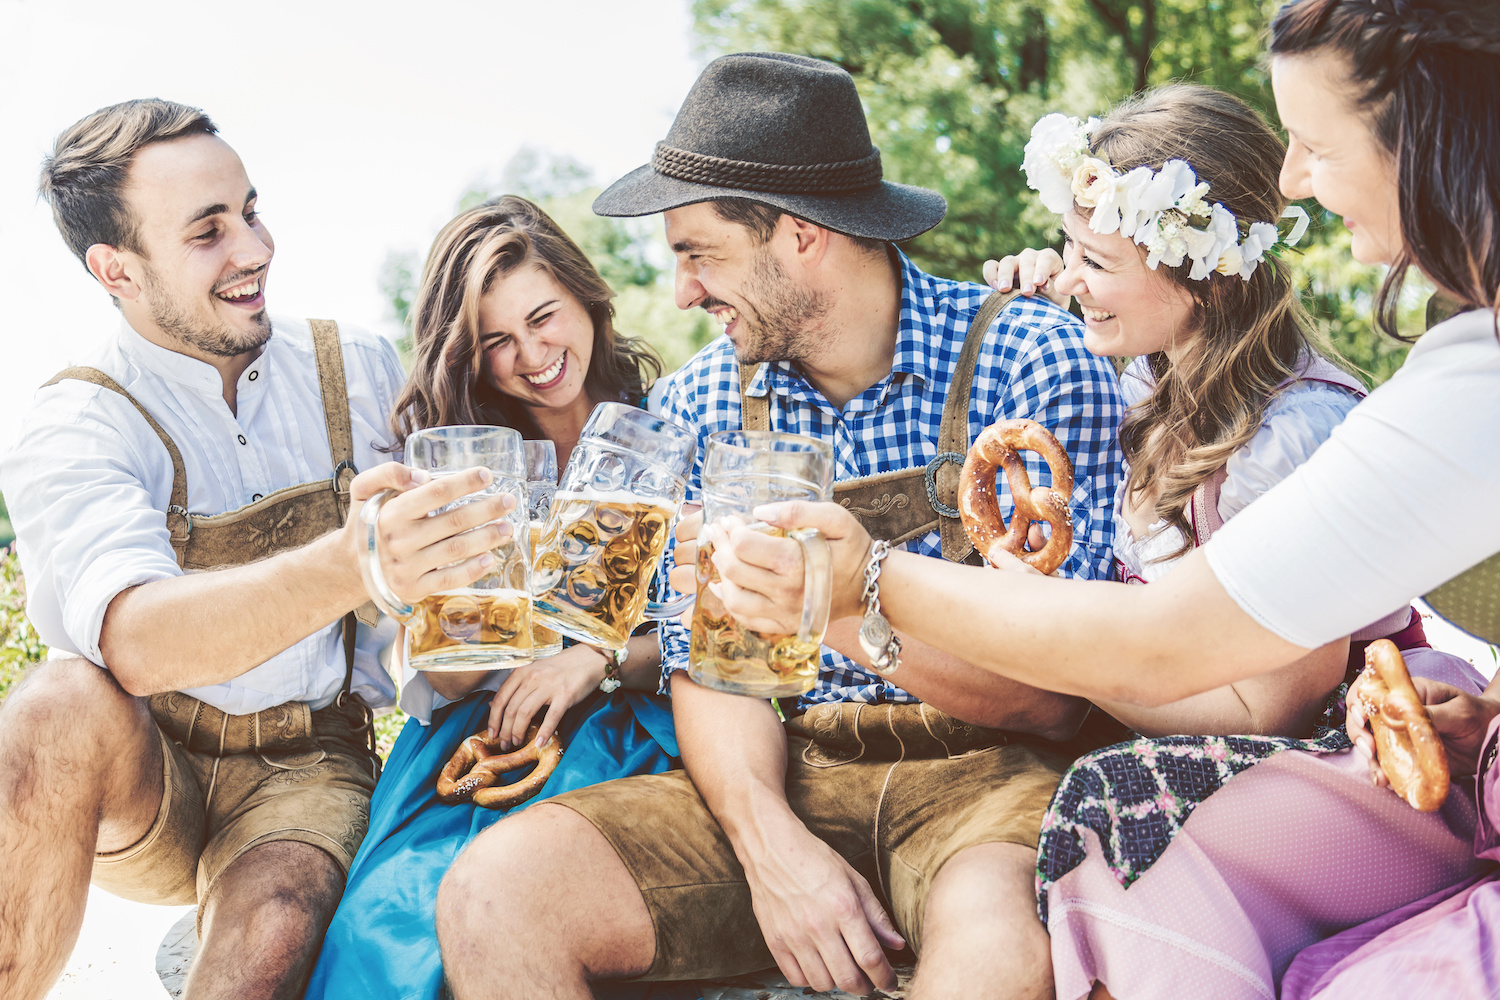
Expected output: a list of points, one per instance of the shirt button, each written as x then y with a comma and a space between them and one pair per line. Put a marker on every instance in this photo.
255, 498
242, 439
254, 376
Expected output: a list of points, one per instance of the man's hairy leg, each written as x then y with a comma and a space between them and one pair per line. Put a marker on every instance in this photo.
80, 773
539, 905
263, 921
983, 898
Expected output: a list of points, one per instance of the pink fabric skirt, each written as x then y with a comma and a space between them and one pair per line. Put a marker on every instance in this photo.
1292, 851
1439, 948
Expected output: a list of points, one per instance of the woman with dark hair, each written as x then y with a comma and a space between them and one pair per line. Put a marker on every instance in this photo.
1393, 112
512, 326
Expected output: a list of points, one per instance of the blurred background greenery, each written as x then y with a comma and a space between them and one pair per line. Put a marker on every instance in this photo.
951, 90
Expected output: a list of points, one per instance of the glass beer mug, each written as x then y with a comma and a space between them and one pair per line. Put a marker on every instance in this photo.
541, 485
487, 624
608, 526
742, 470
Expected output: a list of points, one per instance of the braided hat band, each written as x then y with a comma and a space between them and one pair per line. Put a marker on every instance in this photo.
844, 177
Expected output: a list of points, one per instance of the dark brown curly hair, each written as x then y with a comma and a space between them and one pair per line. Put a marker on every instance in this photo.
447, 383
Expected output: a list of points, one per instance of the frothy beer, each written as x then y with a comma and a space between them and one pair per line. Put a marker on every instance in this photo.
546, 641
467, 626
597, 557
725, 655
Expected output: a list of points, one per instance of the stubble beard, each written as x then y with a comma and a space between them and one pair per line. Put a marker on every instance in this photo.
776, 315
215, 339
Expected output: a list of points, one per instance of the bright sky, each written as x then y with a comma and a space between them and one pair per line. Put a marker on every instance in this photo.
360, 125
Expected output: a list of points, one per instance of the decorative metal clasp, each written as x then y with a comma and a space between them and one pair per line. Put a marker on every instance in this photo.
931, 479
183, 513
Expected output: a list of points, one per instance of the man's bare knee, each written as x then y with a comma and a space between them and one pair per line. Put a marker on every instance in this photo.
549, 877
281, 890
71, 728
507, 866
984, 894
76, 698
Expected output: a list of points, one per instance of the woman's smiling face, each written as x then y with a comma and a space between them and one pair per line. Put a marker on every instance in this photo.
1333, 155
1128, 309
537, 339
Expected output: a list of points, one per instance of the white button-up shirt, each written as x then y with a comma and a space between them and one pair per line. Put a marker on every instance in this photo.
89, 481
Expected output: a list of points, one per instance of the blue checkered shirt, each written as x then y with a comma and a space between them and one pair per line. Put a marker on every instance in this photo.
1033, 364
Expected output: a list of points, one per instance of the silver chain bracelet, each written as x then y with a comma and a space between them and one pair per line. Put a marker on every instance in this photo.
875, 636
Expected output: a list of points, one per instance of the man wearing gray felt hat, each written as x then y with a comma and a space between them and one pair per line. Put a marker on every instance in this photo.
783, 130
899, 804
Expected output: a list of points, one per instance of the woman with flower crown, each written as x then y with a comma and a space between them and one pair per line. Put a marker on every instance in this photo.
1183, 869
1163, 205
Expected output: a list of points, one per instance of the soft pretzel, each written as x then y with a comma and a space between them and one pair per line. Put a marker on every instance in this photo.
475, 768
999, 446
1409, 750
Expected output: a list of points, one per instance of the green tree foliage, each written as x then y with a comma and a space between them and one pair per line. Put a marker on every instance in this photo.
952, 87
631, 254
7, 534
19, 644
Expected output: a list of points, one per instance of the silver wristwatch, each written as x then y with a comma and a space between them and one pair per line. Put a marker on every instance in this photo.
881, 644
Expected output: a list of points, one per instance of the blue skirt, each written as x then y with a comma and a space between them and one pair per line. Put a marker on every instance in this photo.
382, 942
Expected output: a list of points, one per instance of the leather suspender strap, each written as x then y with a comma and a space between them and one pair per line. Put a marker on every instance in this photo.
179, 523
954, 437
755, 411
335, 390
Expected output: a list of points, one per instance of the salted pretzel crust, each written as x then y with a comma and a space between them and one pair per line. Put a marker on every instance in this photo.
473, 772
1407, 746
999, 446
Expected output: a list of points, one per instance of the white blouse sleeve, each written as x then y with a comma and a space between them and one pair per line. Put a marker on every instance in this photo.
1296, 422
419, 700
1401, 498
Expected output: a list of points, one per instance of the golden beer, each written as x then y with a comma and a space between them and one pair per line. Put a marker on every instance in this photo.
598, 554
468, 629
725, 655
545, 641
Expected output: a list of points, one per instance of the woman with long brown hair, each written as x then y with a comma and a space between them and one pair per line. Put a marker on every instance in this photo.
512, 325
1392, 109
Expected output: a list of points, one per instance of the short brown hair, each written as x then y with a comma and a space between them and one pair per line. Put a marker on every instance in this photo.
83, 177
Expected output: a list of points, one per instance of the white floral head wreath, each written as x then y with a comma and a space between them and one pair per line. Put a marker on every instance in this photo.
1153, 207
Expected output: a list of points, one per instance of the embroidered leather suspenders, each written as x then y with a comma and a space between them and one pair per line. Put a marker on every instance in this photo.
286, 519
908, 503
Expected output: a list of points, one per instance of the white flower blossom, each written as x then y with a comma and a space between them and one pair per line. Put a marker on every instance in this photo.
1193, 204
1092, 178
1232, 261
1152, 207
1056, 143
1126, 205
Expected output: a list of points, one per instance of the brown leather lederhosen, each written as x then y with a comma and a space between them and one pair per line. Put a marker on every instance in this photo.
908, 503
286, 519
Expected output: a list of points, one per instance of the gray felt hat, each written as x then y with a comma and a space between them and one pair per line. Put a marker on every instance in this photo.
784, 130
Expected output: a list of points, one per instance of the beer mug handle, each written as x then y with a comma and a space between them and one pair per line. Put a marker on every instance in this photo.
672, 609
817, 583
369, 560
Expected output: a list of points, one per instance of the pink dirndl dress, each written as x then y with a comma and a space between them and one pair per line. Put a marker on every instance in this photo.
1441, 946
1159, 876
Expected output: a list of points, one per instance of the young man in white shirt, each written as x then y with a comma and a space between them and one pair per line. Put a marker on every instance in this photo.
187, 514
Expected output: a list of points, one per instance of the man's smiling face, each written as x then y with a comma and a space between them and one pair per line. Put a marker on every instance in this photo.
204, 253
722, 268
